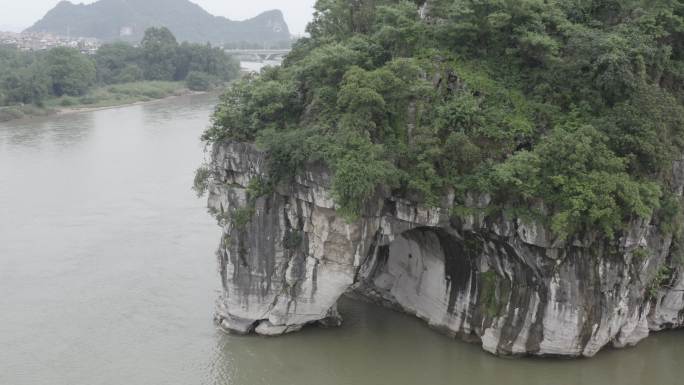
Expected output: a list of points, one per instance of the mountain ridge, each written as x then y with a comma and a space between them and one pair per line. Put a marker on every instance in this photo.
112, 20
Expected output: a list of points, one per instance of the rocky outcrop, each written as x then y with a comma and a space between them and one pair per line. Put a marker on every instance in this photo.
287, 257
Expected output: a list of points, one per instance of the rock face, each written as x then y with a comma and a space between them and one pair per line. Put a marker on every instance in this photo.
287, 257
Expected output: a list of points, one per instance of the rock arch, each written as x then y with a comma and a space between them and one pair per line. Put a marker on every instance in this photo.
501, 281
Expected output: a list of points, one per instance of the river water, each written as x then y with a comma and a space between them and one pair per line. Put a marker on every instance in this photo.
108, 276
256, 67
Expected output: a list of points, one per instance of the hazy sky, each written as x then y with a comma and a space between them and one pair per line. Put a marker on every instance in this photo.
16, 15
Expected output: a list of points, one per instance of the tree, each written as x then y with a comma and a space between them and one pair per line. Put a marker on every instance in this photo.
72, 73
343, 18
206, 59
27, 85
159, 50
130, 73
115, 63
577, 175
199, 81
398, 28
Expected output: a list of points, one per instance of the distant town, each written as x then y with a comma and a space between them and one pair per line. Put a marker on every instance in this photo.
31, 41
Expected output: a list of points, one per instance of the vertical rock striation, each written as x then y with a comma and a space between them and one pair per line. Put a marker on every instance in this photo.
287, 257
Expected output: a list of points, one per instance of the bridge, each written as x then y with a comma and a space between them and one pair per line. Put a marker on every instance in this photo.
258, 55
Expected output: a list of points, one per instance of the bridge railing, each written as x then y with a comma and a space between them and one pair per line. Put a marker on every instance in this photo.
258, 55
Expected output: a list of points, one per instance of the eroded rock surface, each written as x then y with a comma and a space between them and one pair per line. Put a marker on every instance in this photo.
502, 281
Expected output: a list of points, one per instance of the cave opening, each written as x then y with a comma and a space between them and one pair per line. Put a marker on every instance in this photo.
428, 272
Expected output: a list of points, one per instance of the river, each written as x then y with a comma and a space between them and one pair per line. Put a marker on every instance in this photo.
255, 67
108, 277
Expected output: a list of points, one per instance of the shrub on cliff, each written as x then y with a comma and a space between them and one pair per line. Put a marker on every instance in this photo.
574, 103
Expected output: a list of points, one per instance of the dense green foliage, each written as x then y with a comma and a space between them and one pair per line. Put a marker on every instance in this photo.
71, 72
23, 78
569, 109
199, 81
118, 63
159, 48
160, 57
34, 77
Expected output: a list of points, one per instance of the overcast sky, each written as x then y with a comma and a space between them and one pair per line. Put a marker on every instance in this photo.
16, 15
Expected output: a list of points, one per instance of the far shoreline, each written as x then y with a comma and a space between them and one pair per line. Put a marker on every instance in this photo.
124, 95
76, 110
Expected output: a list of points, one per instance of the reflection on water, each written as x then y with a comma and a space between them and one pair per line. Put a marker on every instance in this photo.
107, 276
378, 346
57, 132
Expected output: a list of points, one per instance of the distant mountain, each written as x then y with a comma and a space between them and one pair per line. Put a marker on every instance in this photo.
110, 20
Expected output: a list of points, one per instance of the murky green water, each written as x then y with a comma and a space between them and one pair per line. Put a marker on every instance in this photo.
107, 276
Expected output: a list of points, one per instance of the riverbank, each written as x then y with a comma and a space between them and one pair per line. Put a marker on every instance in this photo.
111, 96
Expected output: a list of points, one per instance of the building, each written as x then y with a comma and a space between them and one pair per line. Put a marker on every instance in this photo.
44, 41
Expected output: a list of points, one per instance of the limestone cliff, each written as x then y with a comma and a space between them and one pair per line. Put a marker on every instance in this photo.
287, 257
